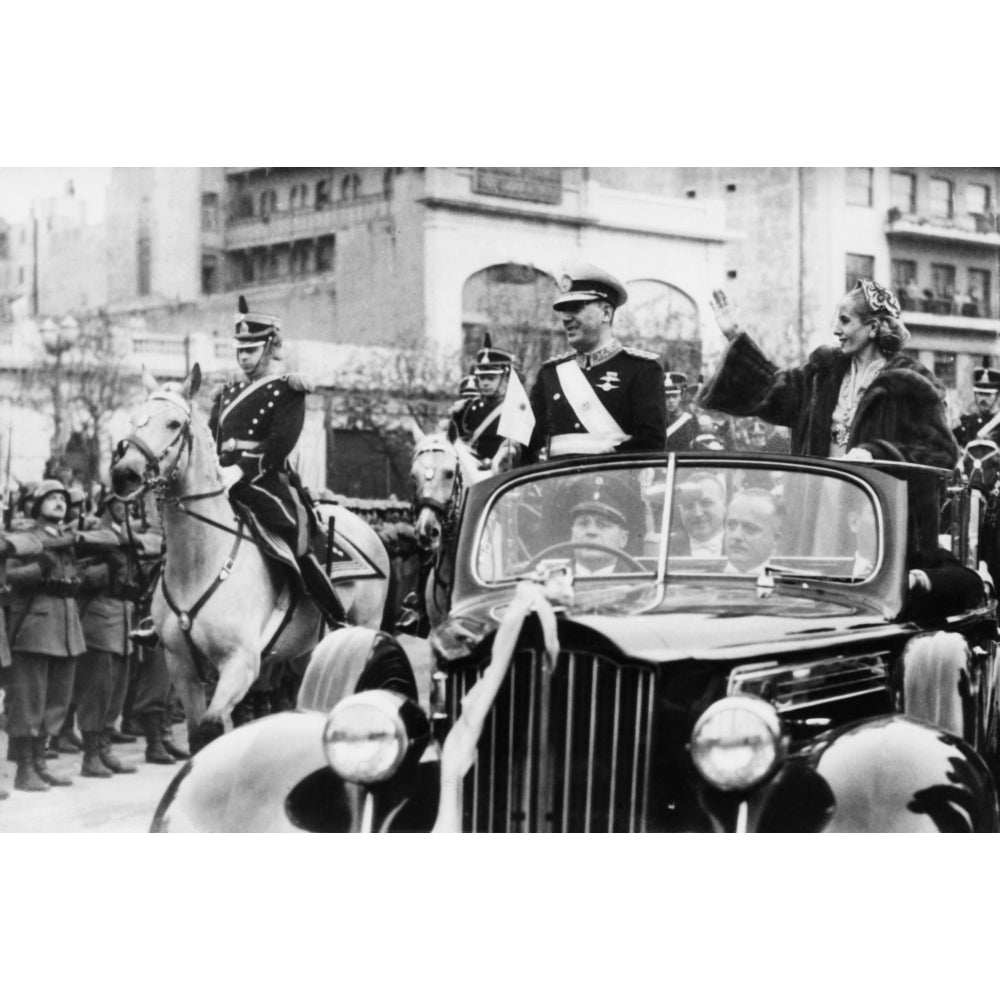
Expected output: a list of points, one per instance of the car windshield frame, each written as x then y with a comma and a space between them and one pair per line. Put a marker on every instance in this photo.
669, 467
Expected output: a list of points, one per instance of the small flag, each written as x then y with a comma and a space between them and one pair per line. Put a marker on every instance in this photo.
516, 419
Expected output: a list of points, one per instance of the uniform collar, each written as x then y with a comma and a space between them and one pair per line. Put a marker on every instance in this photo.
602, 354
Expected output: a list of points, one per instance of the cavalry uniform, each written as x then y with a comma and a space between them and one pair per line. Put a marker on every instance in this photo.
478, 420
608, 400
682, 427
982, 423
262, 422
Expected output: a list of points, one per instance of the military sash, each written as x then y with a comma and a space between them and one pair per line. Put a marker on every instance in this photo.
984, 431
492, 419
603, 431
678, 423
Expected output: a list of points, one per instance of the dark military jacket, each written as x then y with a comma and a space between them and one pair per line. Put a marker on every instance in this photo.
628, 383
681, 430
44, 618
480, 417
969, 425
266, 416
11, 544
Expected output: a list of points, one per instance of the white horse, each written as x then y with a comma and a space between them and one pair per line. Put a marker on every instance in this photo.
439, 474
219, 605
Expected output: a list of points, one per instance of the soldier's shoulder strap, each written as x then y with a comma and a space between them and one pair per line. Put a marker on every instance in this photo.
637, 352
558, 359
299, 382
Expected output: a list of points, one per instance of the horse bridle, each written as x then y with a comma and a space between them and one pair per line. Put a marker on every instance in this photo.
444, 509
152, 477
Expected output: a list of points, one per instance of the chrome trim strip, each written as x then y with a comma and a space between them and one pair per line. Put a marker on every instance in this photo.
590, 744
527, 790
509, 802
614, 749
636, 744
568, 753
650, 702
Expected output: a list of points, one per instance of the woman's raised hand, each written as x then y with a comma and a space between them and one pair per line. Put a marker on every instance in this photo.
725, 314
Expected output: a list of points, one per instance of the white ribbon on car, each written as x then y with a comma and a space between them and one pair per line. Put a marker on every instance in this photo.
459, 750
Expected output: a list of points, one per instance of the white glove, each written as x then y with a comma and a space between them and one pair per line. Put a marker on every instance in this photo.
859, 455
231, 475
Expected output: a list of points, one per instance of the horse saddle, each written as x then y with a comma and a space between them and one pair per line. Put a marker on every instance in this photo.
335, 551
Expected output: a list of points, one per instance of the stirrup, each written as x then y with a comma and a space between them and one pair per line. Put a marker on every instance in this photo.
145, 634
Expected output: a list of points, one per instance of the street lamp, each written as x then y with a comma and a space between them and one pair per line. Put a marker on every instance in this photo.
57, 340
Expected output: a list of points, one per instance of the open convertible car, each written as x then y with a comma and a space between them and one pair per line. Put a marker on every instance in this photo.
767, 643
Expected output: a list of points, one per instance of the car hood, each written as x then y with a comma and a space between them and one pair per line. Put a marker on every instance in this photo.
688, 622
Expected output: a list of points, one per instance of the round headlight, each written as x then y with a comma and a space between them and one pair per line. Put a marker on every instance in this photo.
365, 738
737, 743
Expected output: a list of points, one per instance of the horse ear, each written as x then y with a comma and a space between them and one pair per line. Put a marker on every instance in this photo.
149, 383
192, 383
418, 434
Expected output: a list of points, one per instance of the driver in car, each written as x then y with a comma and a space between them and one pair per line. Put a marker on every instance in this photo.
608, 513
752, 531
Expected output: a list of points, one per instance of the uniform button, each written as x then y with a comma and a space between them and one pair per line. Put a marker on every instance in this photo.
250, 432
262, 408
269, 404
557, 396
254, 419
577, 426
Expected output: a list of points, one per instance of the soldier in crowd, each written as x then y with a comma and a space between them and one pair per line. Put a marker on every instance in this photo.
109, 588
682, 427
477, 421
601, 396
256, 421
983, 421
45, 633
12, 544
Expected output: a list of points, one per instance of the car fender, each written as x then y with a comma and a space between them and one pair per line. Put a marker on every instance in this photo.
268, 776
894, 774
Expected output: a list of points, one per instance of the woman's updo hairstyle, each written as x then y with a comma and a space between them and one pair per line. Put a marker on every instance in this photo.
875, 304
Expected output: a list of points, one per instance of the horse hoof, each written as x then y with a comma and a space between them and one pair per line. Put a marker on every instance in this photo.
203, 734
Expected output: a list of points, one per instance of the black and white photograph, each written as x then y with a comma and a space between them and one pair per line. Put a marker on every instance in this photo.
501, 499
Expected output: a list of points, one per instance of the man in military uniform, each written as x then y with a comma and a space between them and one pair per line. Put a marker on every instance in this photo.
606, 510
600, 397
682, 428
984, 420
45, 633
109, 588
256, 421
478, 420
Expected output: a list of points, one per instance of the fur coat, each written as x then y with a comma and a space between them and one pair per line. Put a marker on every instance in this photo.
900, 416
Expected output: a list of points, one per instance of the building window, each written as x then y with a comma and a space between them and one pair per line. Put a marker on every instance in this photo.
977, 199
293, 198
979, 293
324, 253
904, 283
859, 186
4, 246
942, 205
322, 193
20, 275
350, 187
944, 368
943, 280
144, 255
388, 177
268, 203
730, 188
903, 191
209, 211
859, 265
209, 274
246, 267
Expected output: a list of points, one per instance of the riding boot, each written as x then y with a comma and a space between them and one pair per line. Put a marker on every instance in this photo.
156, 752
167, 738
93, 766
321, 591
27, 778
41, 768
114, 736
109, 760
67, 742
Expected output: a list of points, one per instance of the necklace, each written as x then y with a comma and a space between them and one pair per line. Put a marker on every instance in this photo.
852, 388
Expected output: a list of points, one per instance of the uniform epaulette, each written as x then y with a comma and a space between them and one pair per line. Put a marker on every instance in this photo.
637, 352
299, 382
558, 358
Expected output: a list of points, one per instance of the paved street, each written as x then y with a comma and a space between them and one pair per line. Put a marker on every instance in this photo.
122, 804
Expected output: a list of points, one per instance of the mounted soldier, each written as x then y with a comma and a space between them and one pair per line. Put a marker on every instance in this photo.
682, 427
983, 421
477, 422
256, 421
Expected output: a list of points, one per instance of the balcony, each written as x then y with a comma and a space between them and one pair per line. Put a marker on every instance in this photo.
968, 230
286, 226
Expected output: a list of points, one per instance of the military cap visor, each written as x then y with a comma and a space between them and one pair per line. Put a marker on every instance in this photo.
986, 380
598, 507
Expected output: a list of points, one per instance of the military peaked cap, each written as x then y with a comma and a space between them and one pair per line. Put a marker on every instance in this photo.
986, 380
583, 282
674, 382
253, 327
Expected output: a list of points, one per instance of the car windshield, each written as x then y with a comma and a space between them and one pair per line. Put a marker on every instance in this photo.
713, 519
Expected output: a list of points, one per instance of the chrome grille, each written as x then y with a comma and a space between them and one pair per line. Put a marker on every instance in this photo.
561, 751
807, 685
